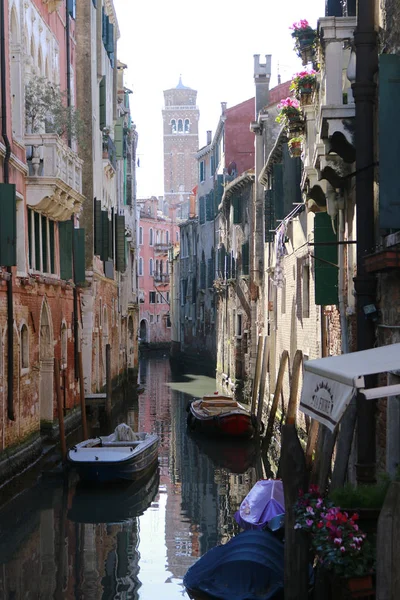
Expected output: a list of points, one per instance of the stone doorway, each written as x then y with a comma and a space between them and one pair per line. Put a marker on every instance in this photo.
143, 332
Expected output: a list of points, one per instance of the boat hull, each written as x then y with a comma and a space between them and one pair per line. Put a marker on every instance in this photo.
222, 420
121, 463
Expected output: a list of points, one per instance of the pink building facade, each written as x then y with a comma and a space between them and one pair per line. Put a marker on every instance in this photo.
157, 235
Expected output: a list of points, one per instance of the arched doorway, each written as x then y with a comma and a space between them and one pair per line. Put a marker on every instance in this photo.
143, 331
46, 359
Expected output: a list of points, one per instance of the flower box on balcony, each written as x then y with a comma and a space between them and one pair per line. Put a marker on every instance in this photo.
383, 260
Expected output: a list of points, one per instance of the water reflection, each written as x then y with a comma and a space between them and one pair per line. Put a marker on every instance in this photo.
73, 542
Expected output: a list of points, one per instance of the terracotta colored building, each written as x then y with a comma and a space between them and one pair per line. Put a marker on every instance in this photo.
157, 234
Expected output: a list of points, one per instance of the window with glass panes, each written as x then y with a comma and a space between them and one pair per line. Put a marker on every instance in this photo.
41, 233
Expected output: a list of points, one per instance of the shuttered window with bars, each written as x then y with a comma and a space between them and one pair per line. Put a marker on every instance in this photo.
326, 269
120, 244
202, 210
65, 243
41, 243
210, 207
102, 102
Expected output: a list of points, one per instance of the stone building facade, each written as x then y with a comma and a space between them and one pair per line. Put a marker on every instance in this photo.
47, 175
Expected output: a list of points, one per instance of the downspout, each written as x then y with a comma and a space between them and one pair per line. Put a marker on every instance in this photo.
364, 90
6, 179
68, 52
342, 278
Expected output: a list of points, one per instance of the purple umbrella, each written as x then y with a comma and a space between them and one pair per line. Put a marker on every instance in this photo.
264, 502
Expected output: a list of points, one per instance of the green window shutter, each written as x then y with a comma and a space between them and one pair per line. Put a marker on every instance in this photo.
118, 137
389, 141
8, 225
79, 256
291, 181
245, 258
210, 272
277, 188
120, 243
106, 233
65, 245
209, 207
102, 96
237, 210
202, 210
98, 228
111, 225
325, 260
269, 216
110, 37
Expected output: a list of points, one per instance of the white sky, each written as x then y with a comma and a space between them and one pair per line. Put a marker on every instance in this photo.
212, 44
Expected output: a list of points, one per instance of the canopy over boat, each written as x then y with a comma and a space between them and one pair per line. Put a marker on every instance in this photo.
264, 502
248, 567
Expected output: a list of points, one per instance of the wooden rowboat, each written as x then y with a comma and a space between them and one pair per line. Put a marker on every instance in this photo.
130, 456
221, 415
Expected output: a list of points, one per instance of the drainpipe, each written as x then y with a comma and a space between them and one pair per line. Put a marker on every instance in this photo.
6, 179
68, 52
364, 90
342, 279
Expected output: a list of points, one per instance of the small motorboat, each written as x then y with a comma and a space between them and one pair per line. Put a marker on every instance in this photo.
221, 415
263, 503
248, 567
112, 503
123, 455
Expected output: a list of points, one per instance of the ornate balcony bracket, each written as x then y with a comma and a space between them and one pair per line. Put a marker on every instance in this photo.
54, 184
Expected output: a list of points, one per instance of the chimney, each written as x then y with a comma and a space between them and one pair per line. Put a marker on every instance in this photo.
262, 76
209, 137
223, 107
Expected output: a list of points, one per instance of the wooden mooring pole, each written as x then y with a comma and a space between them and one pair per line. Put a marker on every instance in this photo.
275, 401
60, 410
108, 380
256, 380
82, 396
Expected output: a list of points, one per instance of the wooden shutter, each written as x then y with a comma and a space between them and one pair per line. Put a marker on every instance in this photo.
291, 181
202, 210
106, 233
102, 97
245, 259
8, 225
111, 226
65, 245
79, 256
237, 209
269, 216
120, 243
98, 228
326, 271
389, 141
118, 137
278, 192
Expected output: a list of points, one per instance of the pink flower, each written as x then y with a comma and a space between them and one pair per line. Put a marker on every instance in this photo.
310, 510
309, 522
337, 541
342, 549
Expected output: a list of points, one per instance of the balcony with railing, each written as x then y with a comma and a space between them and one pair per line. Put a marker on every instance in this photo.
110, 151
54, 183
330, 119
161, 278
161, 247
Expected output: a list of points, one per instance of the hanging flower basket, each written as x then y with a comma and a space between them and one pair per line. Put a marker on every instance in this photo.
290, 114
305, 38
295, 146
303, 85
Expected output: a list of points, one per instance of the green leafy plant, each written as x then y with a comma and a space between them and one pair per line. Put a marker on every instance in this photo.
295, 141
303, 81
289, 110
362, 495
304, 36
47, 110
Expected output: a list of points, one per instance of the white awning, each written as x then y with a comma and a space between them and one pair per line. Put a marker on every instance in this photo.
330, 383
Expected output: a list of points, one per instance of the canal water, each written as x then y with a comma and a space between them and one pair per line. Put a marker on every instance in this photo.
60, 539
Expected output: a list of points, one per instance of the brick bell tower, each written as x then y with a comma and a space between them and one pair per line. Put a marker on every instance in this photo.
181, 141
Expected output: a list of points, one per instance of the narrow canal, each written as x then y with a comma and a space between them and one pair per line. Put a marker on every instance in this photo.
68, 541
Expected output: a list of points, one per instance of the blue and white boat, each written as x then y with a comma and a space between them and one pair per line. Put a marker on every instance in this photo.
123, 455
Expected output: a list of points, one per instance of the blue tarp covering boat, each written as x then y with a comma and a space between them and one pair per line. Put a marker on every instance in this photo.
248, 567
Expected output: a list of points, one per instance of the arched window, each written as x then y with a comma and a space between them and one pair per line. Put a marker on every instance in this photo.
167, 237
24, 347
140, 235
157, 236
157, 267
151, 270
187, 126
151, 236
180, 125
161, 268
140, 266
64, 346
173, 126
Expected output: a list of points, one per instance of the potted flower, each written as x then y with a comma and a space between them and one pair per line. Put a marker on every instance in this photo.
337, 542
303, 84
290, 114
304, 40
295, 146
